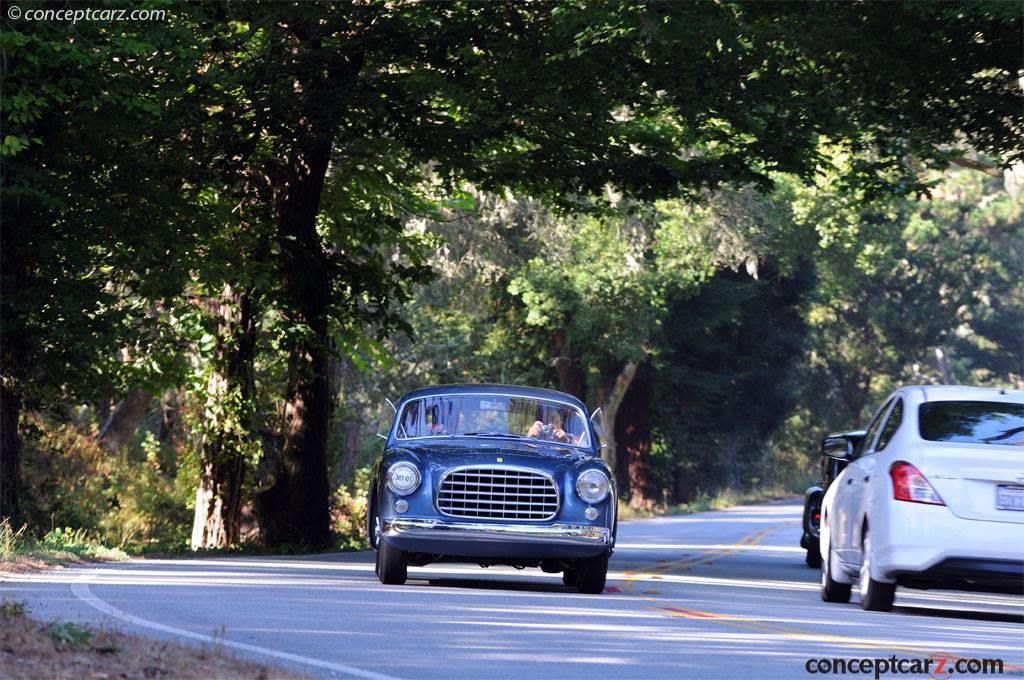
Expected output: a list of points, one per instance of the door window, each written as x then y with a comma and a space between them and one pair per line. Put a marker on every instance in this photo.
876, 422
892, 423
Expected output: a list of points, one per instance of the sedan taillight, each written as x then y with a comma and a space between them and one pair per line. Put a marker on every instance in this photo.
908, 484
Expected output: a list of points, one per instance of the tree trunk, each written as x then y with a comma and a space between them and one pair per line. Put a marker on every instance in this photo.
633, 433
295, 510
570, 377
229, 395
218, 515
10, 454
119, 429
611, 400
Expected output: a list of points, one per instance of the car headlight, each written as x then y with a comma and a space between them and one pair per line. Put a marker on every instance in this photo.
403, 478
593, 486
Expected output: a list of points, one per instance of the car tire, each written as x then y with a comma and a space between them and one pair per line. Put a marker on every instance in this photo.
832, 590
392, 564
875, 596
592, 573
372, 525
813, 557
569, 577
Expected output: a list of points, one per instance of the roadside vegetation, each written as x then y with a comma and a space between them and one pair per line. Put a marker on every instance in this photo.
30, 649
20, 551
229, 236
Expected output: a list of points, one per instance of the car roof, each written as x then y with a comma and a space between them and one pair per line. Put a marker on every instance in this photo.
965, 393
491, 388
847, 433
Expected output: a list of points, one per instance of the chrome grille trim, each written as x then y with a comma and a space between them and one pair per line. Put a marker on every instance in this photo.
498, 492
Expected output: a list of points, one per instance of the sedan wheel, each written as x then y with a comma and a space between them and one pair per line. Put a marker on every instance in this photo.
592, 573
832, 590
392, 564
875, 596
813, 558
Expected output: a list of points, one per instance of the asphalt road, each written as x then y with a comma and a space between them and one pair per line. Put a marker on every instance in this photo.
717, 595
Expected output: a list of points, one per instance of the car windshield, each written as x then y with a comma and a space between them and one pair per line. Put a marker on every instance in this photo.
493, 415
973, 422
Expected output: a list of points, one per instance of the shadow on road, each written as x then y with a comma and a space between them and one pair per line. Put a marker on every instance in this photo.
491, 584
960, 614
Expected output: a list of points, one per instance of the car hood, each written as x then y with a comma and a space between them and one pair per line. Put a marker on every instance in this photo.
458, 452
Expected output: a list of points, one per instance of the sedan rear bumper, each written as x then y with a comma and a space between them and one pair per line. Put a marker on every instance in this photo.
965, 573
551, 541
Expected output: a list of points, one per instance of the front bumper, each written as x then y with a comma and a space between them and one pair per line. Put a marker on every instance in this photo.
464, 539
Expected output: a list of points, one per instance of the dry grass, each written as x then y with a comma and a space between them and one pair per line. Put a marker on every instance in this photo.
30, 650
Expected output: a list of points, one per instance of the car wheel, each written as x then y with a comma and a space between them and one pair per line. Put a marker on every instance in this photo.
372, 526
813, 557
569, 577
591, 574
875, 596
392, 564
832, 590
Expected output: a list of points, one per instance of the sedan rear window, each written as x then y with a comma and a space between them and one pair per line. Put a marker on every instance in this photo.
972, 422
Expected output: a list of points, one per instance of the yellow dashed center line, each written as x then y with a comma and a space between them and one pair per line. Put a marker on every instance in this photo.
745, 623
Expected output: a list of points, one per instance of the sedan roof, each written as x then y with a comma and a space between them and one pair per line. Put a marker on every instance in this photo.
965, 393
490, 388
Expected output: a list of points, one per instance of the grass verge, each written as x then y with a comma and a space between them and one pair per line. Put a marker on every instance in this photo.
19, 551
60, 649
704, 502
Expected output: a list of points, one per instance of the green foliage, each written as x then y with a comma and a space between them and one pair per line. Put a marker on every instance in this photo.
348, 512
79, 542
587, 182
68, 633
12, 609
90, 496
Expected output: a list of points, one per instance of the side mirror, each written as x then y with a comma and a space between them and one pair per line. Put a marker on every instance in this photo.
838, 448
385, 420
596, 423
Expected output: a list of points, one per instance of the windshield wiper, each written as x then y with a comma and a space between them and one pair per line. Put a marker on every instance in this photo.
508, 435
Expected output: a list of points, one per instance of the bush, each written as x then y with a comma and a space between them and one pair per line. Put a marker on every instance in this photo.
79, 542
348, 512
125, 499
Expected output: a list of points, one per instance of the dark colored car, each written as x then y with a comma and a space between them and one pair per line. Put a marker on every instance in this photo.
836, 451
493, 474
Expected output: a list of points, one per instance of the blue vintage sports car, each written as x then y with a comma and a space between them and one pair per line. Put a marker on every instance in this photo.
493, 474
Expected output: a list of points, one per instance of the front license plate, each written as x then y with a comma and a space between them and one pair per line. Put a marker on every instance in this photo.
1010, 497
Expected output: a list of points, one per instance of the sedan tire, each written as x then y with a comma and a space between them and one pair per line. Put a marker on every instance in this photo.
875, 596
832, 590
813, 557
392, 564
591, 574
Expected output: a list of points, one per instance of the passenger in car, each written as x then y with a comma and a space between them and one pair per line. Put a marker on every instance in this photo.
552, 431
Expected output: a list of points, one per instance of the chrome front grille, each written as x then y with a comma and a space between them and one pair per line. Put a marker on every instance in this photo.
498, 493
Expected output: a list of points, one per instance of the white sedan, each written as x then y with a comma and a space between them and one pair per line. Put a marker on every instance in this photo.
933, 498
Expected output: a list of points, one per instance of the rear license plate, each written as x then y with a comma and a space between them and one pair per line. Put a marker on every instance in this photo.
1009, 497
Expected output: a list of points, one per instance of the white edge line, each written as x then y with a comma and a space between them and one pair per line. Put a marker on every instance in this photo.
83, 592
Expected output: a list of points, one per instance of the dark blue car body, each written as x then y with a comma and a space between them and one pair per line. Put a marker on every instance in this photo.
413, 529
